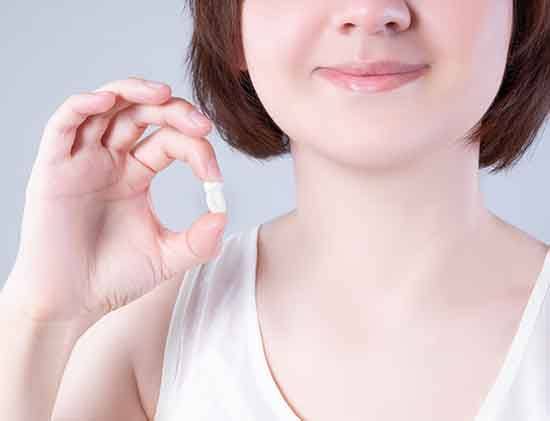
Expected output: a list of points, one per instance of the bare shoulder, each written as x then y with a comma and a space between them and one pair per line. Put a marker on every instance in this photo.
150, 317
521, 254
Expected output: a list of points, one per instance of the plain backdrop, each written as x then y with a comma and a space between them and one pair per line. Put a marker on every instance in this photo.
51, 50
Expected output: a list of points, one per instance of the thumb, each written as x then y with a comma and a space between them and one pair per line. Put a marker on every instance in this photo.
199, 243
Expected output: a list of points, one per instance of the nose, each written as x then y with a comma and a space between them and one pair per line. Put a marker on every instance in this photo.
374, 16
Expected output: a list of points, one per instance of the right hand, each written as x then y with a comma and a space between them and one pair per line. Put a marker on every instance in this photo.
90, 240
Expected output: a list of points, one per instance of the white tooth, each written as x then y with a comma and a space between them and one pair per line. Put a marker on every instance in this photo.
214, 196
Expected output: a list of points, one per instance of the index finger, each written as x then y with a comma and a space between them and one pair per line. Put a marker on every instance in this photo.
69, 116
134, 90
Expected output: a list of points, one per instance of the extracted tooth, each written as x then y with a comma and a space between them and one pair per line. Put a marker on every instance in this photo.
214, 196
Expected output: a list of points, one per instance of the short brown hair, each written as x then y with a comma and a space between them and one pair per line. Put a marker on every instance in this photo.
226, 95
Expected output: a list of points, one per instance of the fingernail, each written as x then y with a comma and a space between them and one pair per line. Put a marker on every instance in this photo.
198, 119
213, 170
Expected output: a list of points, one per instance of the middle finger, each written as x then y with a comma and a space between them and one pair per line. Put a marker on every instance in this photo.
128, 92
128, 125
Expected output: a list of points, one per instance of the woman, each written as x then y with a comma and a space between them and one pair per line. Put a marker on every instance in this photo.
390, 292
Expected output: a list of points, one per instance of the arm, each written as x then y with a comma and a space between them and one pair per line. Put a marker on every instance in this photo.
50, 375
99, 383
33, 356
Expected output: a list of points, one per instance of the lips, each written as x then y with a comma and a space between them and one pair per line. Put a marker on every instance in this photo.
386, 67
372, 83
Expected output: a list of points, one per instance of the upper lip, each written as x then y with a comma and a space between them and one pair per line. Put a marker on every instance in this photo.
384, 67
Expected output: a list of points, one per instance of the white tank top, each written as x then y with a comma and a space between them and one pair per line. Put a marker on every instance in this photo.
214, 365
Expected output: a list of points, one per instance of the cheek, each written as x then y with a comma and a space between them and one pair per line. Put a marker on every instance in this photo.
471, 45
278, 36
274, 34
466, 42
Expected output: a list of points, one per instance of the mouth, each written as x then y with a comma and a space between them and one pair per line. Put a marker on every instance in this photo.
378, 80
382, 67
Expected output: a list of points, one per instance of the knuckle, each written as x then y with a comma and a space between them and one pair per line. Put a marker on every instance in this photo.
111, 84
71, 99
55, 123
114, 86
132, 116
51, 124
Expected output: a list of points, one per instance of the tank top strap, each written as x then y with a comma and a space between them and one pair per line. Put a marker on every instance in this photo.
172, 347
206, 299
523, 339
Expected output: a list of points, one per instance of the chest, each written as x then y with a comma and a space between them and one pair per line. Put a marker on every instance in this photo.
395, 386
415, 370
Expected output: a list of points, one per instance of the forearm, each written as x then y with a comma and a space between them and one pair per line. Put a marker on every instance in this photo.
33, 357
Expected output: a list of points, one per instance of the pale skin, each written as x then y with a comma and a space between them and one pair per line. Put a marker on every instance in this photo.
390, 239
401, 253
90, 241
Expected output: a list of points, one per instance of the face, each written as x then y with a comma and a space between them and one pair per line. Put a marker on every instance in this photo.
465, 43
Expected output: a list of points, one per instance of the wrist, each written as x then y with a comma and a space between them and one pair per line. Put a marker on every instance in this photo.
27, 317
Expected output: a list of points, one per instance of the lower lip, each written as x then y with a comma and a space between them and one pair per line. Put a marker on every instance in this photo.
373, 83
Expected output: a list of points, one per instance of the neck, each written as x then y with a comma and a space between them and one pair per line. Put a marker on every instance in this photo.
391, 230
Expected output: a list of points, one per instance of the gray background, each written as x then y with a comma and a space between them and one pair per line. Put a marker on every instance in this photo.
50, 50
